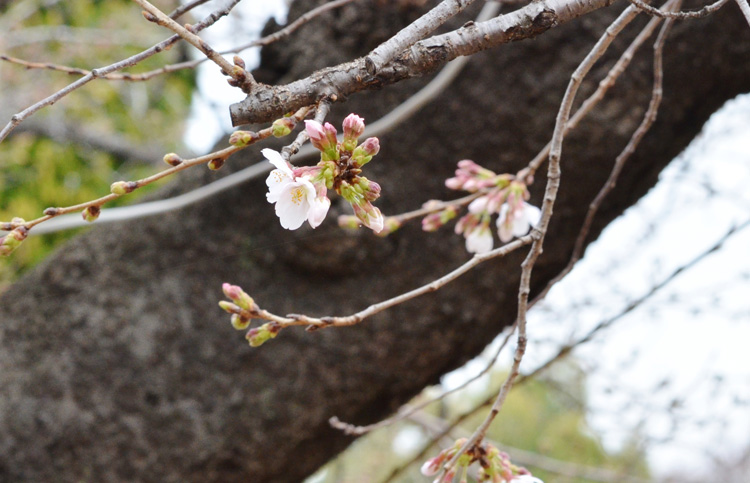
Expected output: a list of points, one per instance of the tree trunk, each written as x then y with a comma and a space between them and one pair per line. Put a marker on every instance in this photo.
117, 365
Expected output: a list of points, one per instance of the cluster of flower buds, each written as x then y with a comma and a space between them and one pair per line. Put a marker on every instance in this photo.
13, 238
502, 194
301, 193
495, 465
243, 308
436, 219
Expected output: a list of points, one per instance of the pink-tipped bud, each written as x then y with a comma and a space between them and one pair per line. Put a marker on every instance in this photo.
364, 153
238, 296
371, 189
323, 138
123, 187
354, 126
91, 213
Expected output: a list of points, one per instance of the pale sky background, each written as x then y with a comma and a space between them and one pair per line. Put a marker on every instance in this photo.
694, 333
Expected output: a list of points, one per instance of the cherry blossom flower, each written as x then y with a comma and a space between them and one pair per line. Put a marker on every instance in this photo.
517, 221
296, 198
479, 240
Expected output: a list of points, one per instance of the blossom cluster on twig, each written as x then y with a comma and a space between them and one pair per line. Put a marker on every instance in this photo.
494, 465
301, 194
501, 194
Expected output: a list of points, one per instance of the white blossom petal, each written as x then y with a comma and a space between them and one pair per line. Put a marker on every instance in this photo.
479, 241
293, 205
275, 158
318, 211
479, 205
376, 222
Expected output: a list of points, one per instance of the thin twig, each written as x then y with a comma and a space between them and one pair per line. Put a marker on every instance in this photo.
394, 118
409, 410
221, 154
313, 323
299, 22
707, 10
569, 347
604, 85
648, 119
19, 117
190, 64
553, 183
244, 79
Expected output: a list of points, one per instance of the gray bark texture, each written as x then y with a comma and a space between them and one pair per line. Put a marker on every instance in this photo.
116, 363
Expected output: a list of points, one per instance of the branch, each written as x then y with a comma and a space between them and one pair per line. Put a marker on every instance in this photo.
244, 79
268, 102
745, 7
550, 195
18, 118
707, 10
415, 31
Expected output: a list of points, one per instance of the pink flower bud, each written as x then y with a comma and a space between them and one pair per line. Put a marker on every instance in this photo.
354, 126
371, 146
238, 296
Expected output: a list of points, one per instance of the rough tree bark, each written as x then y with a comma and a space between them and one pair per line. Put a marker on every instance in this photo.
117, 364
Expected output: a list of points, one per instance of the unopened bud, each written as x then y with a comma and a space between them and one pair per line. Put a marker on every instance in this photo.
91, 213
239, 322
238, 61
390, 224
172, 159
259, 335
229, 307
365, 151
354, 126
13, 240
238, 296
282, 127
242, 138
238, 72
123, 187
216, 164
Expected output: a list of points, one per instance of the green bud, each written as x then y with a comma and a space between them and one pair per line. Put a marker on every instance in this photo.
239, 323
216, 164
123, 187
243, 138
258, 336
13, 240
91, 213
229, 307
172, 159
282, 127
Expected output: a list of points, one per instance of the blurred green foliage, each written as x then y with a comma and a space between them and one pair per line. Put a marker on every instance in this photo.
37, 172
537, 418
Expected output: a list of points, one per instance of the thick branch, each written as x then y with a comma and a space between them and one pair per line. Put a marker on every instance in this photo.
266, 103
